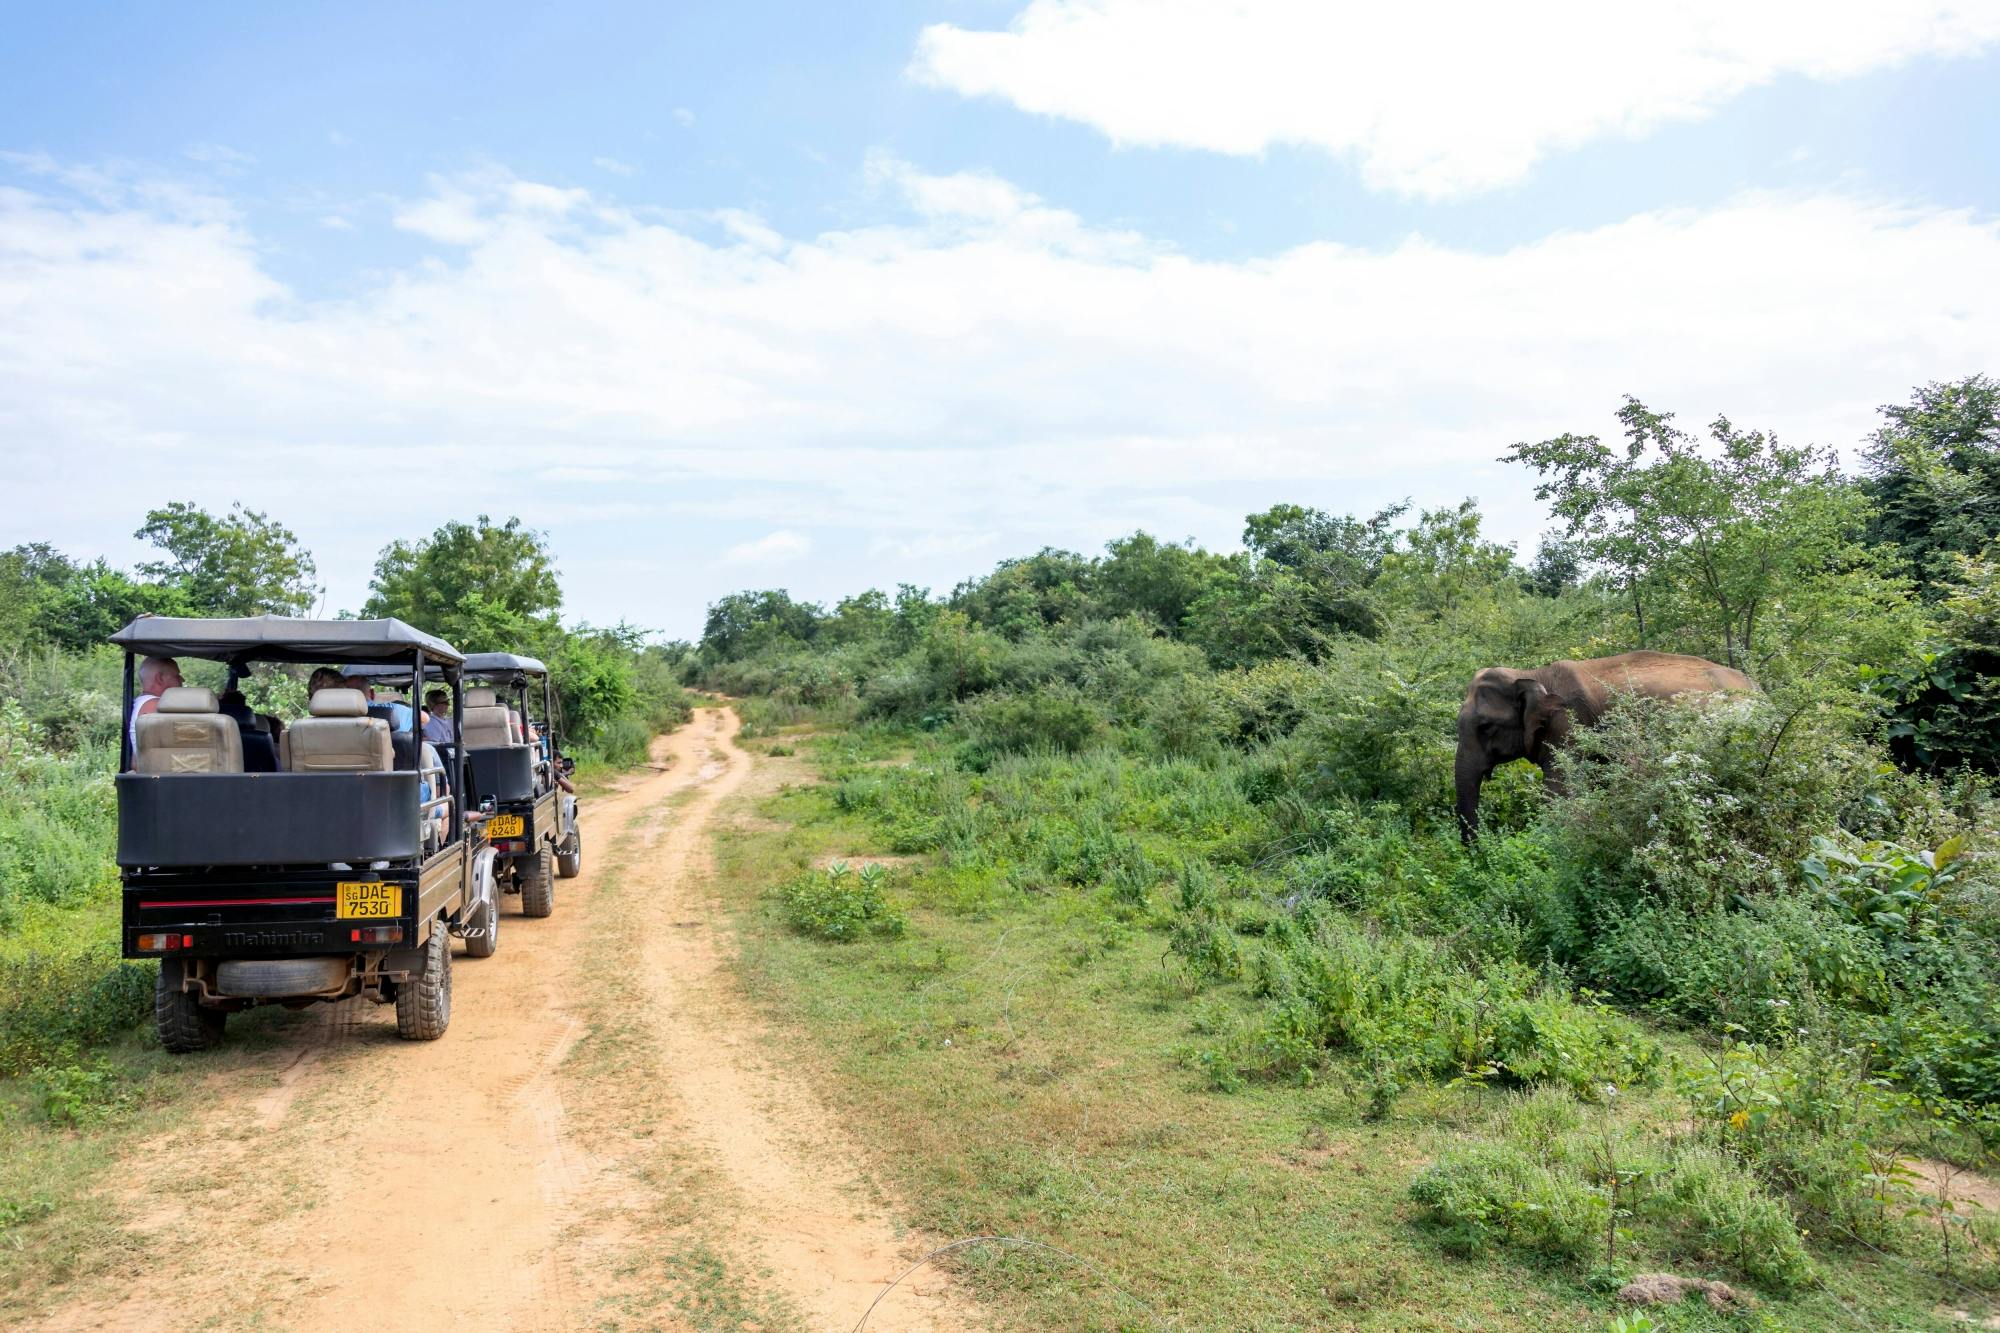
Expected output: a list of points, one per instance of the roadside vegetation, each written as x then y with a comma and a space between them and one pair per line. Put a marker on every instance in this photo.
1164, 838
75, 1050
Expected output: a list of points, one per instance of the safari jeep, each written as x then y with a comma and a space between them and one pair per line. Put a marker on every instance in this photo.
337, 863
514, 763
514, 770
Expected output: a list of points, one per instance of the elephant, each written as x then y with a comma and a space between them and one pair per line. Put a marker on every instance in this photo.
1509, 714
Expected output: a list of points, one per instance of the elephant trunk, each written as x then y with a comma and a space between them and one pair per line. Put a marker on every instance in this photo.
1469, 773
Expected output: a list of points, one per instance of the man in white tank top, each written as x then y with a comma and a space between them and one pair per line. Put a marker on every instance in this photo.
157, 675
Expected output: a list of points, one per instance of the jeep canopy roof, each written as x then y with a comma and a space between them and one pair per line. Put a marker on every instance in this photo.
478, 666
285, 639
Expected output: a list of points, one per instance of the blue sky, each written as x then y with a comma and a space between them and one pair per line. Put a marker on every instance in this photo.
824, 296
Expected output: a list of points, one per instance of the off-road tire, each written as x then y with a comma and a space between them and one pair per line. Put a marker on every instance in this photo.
423, 1005
538, 884
569, 864
184, 1025
484, 940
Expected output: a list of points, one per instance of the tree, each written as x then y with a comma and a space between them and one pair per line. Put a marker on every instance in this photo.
45, 597
1444, 560
1934, 476
1735, 551
859, 618
1142, 575
1028, 595
238, 564
744, 623
1304, 580
1557, 566
483, 587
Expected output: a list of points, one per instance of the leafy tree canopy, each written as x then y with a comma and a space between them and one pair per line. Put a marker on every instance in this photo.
747, 622
1735, 548
1934, 475
236, 564
483, 587
47, 598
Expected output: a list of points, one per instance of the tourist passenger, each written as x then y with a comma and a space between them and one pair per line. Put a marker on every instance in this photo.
437, 718
400, 717
157, 675
323, 678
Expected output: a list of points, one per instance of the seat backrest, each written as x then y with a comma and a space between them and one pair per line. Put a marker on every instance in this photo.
487, 720
185, 734
339, 737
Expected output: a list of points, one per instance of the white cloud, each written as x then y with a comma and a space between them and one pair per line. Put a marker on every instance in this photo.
337, 139
335, 222
777, 548
1431, 99
218, 155
994, 366
614, 166
683, 116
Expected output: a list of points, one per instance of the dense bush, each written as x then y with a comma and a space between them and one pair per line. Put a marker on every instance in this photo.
841, 903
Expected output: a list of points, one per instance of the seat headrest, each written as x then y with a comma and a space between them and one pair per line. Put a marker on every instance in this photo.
482, 697
187, 699
339, 703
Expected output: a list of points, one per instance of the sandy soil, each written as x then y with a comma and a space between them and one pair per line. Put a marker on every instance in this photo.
349, 1177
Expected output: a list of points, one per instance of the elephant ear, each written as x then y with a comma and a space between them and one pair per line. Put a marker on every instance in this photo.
1537, 711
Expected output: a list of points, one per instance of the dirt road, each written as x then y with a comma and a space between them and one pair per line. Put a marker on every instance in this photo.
603, 1138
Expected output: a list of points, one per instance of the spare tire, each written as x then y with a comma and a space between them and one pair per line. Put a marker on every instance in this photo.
280, 978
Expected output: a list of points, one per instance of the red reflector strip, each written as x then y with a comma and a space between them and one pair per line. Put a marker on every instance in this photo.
236, 902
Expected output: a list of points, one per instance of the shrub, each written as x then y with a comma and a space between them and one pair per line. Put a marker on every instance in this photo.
1497, 1193
1694, 807
838, 903
1730, 1216
1407, 1001
1057, 717
56, 1000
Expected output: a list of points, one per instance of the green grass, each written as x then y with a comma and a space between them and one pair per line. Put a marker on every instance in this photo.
1032, 1058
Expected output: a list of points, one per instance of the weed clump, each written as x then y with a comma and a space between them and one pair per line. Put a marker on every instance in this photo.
840, 903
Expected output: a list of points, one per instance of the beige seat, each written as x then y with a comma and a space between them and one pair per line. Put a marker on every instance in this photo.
339, 737
184, 734
488, 722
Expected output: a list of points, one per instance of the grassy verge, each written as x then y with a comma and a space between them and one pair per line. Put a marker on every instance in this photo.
1039, 1059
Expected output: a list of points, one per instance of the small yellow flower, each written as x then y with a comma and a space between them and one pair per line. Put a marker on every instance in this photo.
1739, 1120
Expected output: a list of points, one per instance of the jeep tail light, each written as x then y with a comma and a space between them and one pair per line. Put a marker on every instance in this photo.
376, 935
164, 943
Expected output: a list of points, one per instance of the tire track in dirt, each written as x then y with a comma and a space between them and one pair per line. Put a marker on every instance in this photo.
346, 1175
783, 1167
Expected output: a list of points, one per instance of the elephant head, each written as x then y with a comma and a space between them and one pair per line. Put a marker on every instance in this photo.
1506, 715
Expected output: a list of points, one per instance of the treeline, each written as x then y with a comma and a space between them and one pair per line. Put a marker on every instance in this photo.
1876, 593
1251, 752
481, 586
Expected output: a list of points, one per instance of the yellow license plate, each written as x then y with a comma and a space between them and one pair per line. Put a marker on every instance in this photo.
357, 902
504, 826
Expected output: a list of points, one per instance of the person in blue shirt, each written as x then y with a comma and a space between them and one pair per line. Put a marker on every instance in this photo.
400, 716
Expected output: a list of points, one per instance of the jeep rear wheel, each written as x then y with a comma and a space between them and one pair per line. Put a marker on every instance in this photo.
183, 1024
538, 885
423, 1004
570, 863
